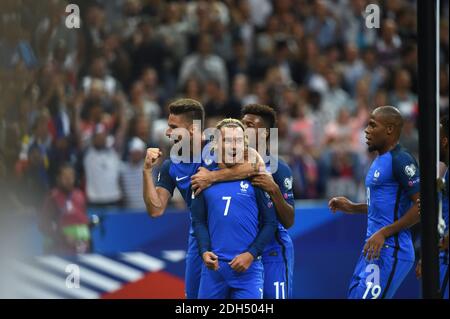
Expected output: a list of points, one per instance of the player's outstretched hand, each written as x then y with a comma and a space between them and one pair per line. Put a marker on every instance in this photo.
340, 203
211, 260
241, 262
419, 269
153, 154
374, 244
201, 180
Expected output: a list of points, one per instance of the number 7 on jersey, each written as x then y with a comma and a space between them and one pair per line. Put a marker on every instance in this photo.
227, 206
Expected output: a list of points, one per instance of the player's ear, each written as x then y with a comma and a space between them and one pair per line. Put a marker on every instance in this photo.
390, 129
191, 129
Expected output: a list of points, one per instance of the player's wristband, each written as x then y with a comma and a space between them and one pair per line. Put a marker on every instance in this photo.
254, 252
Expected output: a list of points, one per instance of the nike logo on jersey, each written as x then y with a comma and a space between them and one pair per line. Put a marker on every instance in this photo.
180, 178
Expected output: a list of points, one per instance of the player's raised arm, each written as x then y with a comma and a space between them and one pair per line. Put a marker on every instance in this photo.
156, 198
345, 205
204, 177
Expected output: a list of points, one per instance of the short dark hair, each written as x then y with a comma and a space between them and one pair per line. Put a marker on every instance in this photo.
189, 107
444, 123
266, 112
392, 115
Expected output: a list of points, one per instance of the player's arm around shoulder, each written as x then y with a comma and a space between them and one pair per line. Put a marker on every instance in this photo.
155, 197
268, 225
205, 177
279, 187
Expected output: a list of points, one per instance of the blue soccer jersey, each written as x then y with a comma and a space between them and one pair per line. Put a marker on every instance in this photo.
231, 218
390, 182
178, 175
444, 196
278, 256
443, 256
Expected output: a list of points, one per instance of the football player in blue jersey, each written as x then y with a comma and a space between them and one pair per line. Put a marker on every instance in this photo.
443, 256
233, 222
182, 114
443, 243
278, 256
392, 187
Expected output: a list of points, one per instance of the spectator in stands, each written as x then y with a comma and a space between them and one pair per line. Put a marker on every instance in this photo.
217, 105
389, 44
141, 104
63, 219
335, 97
102, 170
153, 90
402, 96
92, 114
98, 70
146, 49
353, 68
92, 34
289, 54
321, 25
304, 169
204, 65
52, 33
131, 175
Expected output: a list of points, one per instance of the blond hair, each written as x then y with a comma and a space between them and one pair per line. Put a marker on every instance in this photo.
230, 122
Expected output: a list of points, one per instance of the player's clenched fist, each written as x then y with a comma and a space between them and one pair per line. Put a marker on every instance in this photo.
153, 154
241, 262
340, 203
210, 259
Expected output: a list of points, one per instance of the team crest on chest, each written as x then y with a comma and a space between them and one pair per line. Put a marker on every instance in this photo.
244, 186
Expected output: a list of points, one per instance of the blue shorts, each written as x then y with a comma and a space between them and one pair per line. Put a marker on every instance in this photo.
443, 274
192, 274
225, 283
279, 270
378, 279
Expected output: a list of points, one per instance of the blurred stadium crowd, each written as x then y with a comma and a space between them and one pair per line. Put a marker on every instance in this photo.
96, 97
